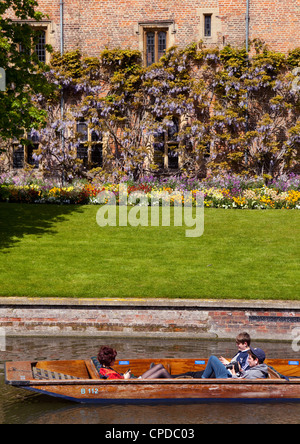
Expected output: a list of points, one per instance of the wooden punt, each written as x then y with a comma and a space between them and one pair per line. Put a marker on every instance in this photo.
79, 381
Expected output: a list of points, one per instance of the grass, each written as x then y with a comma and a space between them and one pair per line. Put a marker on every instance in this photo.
60, 251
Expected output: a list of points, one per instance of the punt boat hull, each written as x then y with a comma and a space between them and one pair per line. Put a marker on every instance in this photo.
89, 388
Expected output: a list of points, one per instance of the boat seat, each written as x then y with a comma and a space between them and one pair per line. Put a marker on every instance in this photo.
40, 373
96, 363
273, 374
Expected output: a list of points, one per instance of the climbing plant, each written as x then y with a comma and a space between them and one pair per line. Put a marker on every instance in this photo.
237, 112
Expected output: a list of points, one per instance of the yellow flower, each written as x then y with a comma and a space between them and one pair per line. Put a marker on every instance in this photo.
240, 201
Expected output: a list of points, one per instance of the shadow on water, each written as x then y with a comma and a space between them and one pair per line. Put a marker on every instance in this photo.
20, 220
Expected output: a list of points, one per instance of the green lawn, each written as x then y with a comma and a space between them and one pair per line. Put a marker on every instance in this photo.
60, 251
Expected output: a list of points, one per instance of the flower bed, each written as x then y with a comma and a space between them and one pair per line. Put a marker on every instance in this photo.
219, 192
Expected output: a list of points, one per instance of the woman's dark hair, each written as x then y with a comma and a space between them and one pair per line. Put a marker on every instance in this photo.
106, 356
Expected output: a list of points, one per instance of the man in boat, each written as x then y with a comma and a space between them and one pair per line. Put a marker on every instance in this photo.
241, 359
257, 370
240, 362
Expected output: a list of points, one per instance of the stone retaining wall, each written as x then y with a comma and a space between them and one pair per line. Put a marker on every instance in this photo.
265, 320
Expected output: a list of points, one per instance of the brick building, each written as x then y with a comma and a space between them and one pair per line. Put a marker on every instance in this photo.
152, 25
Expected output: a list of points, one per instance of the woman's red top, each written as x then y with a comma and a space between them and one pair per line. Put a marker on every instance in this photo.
109, 373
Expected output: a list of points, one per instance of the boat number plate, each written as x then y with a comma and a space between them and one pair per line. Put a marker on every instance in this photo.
90, 391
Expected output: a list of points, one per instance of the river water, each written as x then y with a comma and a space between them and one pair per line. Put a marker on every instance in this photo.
18, 406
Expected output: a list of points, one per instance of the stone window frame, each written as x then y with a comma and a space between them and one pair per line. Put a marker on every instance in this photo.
47, 27
142, 28
215, 24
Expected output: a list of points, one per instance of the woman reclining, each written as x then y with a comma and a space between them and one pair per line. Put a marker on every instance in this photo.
107, 358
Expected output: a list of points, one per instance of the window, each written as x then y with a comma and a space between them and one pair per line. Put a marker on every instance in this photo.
82, 130
166, 147
210, 25
150, 45
172, 145
31, 160
90, 149
162, 43
155, 45
82, 154
207, 25
18, 157
43, 36
82, 149
96, 150
24, 155
155, 38
40, 47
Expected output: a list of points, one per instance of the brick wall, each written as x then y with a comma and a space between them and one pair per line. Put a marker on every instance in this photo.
266, 320
279, 20
91, 25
